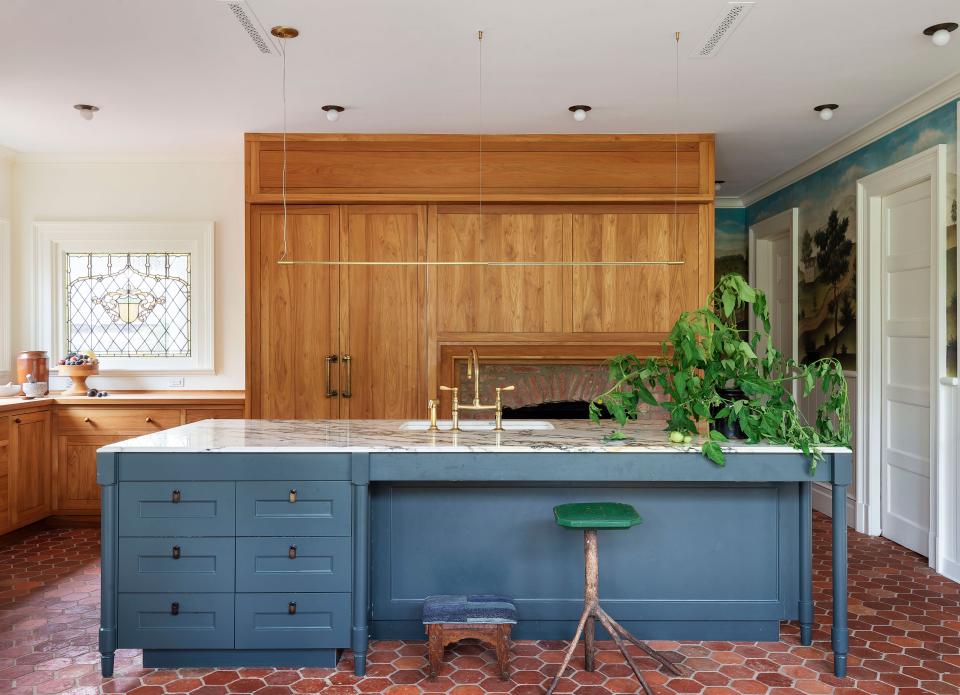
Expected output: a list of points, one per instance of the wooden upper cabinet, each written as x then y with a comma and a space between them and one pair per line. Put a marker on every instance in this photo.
382, 311
293, 311
498, 299
516, 168
635, 299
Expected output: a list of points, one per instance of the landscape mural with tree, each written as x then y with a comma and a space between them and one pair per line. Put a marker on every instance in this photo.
827, 293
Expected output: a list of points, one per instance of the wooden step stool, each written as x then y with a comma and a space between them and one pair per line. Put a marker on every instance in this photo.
484, 617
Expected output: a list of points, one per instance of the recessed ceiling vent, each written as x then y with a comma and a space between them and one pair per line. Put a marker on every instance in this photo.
251, 25
728, 20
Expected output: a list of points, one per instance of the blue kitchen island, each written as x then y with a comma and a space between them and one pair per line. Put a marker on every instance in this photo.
281, 543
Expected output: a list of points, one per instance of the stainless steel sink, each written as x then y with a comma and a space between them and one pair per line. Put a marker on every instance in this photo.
478, 425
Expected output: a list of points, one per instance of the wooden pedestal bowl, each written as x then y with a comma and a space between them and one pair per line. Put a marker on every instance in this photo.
78, 375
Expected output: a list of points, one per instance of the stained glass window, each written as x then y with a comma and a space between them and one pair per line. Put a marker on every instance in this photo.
128, 304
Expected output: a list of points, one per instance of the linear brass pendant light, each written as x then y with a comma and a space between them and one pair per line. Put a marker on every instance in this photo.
283, 33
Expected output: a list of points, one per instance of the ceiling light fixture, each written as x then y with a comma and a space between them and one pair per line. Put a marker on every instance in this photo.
940, 33
86, 110
718, 184
333, 112
826, 111
580, 112
282, 32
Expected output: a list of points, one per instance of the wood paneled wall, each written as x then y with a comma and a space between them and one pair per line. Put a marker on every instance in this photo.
410, 198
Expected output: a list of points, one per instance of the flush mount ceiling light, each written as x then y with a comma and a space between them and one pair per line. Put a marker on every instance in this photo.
940, 33
580, 112
333, 112
282, 32
826, 111
86, 110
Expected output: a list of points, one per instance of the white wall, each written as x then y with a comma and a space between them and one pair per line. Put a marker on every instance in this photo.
50, 189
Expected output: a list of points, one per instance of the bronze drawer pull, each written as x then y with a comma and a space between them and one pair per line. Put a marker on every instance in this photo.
347, 363
293, 496
175, 497
292, 607
176, 552
327, 361
174, 608
292, 553
17, 420
149, 419
86, 419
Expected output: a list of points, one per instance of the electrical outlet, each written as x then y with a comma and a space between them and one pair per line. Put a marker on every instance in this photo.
175, 382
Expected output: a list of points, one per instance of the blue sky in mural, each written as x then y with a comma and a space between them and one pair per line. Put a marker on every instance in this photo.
730, 236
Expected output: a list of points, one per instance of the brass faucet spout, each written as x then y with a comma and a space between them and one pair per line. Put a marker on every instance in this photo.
473, 371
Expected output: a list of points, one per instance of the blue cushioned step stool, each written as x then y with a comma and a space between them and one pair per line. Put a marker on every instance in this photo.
487, 618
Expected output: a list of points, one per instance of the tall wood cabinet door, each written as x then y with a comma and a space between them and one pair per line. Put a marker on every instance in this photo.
76, 483
383, 312
30, 466
4, 473
295, 317
635, 299
505, 298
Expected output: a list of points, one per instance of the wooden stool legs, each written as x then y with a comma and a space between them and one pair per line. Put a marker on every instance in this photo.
495, 636
593, 612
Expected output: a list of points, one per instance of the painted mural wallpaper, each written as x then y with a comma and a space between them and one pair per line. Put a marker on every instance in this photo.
828, 231
730, 241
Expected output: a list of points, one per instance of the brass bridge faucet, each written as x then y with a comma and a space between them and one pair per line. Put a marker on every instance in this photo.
473, 374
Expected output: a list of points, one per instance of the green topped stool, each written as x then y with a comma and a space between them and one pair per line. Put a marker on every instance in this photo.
591, 516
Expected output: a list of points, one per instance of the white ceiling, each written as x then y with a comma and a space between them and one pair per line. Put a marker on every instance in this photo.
180, 77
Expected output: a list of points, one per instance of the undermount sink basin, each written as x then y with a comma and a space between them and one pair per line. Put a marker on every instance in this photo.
478, 425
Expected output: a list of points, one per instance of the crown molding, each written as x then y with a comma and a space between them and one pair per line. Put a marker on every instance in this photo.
941, 93
76, 158
7, 153
728, 201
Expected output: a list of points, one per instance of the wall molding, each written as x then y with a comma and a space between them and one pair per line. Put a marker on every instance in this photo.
728, 201
29, 158
7, 153
929, 100
822, 497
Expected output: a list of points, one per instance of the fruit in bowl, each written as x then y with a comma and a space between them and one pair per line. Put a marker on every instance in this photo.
79, 359
78, 366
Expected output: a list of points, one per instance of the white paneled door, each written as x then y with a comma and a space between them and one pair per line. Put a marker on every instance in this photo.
906, 304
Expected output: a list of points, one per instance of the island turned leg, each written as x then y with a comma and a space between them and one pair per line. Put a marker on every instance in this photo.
108, 587
805, 604
840, 631
361, 575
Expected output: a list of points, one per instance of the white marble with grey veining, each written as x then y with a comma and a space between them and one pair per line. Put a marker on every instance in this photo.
331, 436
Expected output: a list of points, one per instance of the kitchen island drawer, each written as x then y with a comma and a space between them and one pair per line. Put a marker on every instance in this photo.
294, 564
287, 621
175, 621
176, 564
177, 509
293, 508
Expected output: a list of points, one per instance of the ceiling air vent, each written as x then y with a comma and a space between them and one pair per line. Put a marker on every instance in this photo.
252, 26
728, 20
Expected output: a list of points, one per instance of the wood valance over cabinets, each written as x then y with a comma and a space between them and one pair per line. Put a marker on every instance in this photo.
370, 341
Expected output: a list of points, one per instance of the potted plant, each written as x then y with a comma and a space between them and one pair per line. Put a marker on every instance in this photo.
710, 372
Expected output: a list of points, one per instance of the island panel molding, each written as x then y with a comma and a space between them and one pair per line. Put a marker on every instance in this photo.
326, 339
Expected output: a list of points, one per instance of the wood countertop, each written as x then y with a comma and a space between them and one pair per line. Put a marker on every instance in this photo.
181, 398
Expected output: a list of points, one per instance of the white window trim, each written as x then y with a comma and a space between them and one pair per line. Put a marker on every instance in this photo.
5, 308
54, 239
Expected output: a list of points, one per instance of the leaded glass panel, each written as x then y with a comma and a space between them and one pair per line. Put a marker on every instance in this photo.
128, 304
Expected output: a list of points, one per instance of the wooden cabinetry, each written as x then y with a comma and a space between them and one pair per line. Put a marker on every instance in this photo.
4, 472
327, 340
29, 466
396, 272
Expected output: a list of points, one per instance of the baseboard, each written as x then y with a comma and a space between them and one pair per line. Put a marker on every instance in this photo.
823, 502
950, 569
73, 521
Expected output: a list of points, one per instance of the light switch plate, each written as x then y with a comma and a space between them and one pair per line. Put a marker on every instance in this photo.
175, 382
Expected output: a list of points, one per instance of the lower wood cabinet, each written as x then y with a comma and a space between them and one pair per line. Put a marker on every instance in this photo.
29, 477
77, 489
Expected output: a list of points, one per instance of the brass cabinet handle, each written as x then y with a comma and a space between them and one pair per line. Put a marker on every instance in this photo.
175, 496
149, 419
348, 392
292, 607
327, 361
17, 420
292, 553
176, 552
174, 608
86, 419
293, 496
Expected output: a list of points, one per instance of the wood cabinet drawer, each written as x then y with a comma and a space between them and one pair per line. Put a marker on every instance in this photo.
293, 508
294, 564
292, 621
177, 509
100, 420
175, 621
176, 564
197, 414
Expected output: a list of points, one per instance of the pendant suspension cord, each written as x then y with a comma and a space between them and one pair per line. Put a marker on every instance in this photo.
480, 146
283, 167
676, 116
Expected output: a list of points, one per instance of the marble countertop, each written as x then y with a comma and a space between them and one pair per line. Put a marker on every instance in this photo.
382, 436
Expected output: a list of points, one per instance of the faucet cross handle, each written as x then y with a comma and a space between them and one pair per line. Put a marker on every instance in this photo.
498, 424
454, 406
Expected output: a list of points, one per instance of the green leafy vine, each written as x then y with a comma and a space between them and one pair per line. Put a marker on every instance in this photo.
705, 354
